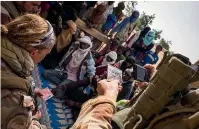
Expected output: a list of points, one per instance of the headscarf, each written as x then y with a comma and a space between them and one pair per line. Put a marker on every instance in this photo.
95, 18
30, 29
149, 37
112, 55
80, 54
133, 18
129, 72
111, 20
135, 15
144, 32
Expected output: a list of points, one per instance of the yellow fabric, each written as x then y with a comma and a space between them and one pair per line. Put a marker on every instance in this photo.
63, 40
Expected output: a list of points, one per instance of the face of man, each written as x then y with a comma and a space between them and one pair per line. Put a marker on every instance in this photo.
109, 59
125, 65
125, 77
39, 55
31, 6
158, 49
84, 45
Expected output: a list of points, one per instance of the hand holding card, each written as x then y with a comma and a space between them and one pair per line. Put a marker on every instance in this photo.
45, 94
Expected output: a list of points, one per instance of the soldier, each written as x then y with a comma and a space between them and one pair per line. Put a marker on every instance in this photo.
25, 41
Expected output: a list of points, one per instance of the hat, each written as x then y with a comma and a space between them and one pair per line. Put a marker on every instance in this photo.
85, 39
129, 71
113, 55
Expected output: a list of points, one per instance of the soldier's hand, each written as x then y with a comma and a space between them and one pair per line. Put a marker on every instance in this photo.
109, 89
150, 69
37, 92
37, 115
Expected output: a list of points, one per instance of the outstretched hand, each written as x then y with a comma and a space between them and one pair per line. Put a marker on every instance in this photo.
110, 89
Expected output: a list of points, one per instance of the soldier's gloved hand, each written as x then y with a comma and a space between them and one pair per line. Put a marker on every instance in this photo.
109, 89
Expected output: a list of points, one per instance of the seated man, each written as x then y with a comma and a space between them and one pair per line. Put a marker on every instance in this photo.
112, 46
77, 64
144, 44
110, 58
125, 64
120, 52
63, 42
151, 57
126, 85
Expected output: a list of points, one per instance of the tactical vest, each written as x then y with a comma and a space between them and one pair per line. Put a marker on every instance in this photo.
166, 87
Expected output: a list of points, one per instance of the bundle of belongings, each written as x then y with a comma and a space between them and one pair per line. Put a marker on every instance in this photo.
169, 101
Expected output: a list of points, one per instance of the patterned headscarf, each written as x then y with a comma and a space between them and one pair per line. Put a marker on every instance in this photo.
30, 29
80, 54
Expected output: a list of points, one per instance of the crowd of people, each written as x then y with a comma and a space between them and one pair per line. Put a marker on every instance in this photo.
45, 33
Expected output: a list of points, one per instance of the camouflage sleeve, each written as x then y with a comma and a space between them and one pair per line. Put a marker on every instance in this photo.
96, 114
37, 125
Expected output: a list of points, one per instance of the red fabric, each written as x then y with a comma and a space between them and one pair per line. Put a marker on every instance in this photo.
101, 70
140, 56
44, 7
99, 61
106, 50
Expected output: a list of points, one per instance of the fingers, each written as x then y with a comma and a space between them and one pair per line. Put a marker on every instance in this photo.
116, 82
120, 88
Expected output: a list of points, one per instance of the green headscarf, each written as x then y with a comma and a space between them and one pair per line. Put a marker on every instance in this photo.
149, 37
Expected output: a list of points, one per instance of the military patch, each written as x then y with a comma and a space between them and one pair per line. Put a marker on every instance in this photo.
18, 122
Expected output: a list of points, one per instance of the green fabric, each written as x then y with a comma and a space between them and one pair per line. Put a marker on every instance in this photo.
121, 57
122, 103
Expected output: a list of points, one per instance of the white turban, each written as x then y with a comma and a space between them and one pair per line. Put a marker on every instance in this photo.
112, 55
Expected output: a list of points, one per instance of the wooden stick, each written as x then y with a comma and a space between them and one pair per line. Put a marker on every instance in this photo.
93, 32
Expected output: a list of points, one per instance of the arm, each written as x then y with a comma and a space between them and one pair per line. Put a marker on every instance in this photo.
97, 113
90, 66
